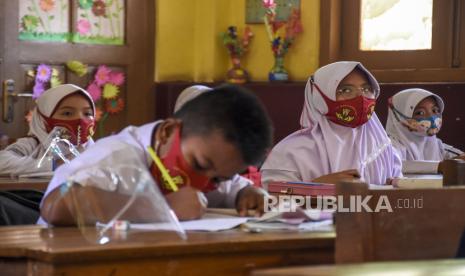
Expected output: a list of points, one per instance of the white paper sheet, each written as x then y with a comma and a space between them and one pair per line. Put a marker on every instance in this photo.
220, 221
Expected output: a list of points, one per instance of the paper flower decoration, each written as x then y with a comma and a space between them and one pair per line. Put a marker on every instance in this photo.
47, 5
114, 106
86, 4
77, 67
110, 91
44, 77
38, 89
280, 43
44, 73
105, 90
99, 8
30, 23
83, 27
117, 78
28, 117
95, 91
237, 47
102, 76
98, 113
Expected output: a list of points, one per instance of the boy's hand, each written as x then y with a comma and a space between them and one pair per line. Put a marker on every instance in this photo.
334, 178
250, 197
187, 203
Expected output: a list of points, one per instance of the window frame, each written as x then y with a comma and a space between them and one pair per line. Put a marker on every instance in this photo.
339, 28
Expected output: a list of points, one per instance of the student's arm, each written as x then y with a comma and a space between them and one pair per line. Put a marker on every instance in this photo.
450, 152
225, 195
22, 157
92, 204
62, 208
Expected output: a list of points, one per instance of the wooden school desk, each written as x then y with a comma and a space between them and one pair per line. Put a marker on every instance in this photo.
425, 223
31, 250
430, 267
7, 183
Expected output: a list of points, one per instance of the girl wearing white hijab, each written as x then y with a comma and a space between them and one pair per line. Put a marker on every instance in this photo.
414, 119
67, 106
341, 136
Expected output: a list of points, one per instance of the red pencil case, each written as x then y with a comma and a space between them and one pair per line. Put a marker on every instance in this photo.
301, 188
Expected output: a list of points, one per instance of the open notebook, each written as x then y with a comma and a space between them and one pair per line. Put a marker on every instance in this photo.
225, 219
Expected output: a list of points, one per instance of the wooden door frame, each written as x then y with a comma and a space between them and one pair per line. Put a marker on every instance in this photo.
147, 102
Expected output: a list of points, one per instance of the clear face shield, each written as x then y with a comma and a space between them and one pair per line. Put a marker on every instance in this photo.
105, 201
59, 149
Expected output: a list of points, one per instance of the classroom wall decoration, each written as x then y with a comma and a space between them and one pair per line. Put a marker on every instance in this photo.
94, 21
254, 10
46, 20
237, 47
281, 35
100, 22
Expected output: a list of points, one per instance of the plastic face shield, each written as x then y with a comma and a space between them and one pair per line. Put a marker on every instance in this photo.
106, 201
59, 148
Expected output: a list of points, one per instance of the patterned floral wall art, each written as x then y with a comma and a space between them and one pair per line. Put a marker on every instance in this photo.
100, 22
45, 20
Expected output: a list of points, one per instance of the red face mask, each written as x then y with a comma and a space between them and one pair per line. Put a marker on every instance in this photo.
179, 169
79, 130
351, 113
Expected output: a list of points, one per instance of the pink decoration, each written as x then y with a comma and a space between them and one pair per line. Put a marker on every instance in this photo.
95, 91
117, 78
103, 75
83, 26
269, 4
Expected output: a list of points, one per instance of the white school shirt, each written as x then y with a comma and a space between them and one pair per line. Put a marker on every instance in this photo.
23, 156
130, 147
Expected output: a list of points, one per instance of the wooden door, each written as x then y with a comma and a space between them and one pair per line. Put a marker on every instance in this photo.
25, 44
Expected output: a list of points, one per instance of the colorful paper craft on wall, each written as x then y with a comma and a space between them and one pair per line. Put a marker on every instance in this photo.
46, 20
100, 22
105, 91
45, 77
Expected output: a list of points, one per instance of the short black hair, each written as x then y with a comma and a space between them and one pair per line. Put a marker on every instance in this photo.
234, 111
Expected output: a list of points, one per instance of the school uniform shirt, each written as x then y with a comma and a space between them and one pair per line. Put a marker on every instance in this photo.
323, 147
420, 154
23, 156
130, 147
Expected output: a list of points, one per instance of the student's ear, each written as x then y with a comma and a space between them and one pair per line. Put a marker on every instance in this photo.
166, 129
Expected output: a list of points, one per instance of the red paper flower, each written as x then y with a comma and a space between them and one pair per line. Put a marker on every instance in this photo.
28, 117
98, 114
99, 8
114, 106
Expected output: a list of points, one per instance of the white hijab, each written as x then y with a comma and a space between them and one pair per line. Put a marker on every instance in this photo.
47, 103
323, 147
411, 146
188, 94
